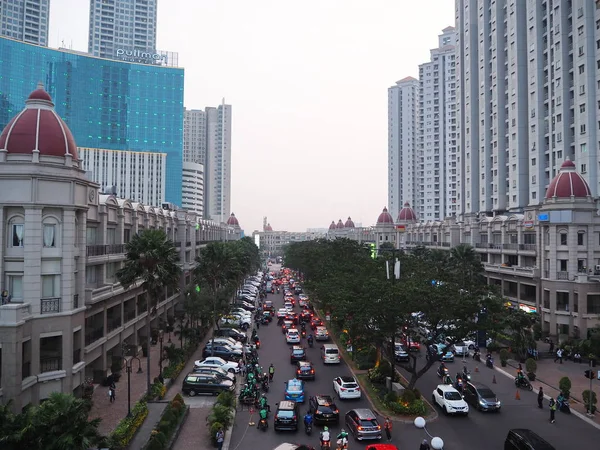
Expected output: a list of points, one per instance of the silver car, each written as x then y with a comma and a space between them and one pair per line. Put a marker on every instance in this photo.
363, 424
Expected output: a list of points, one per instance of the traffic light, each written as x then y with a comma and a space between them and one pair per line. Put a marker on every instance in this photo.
591, 374
373, 251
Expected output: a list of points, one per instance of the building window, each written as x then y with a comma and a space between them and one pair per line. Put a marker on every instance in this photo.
17, 234
581, 238
563, 238
110, 236
90, 237
49, 235
50, 286
15, 288
562, 265
90, 275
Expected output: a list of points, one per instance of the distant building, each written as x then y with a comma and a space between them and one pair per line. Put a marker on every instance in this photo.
25, 20
271, 242
192, 197
217, 189
194, 136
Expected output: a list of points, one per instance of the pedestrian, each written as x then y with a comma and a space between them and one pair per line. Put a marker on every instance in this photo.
242, 369
558, 355
387, 426
551, 346
424, 445
111, 393
258, 324
220, 438
271, 372
552, 409
541, 398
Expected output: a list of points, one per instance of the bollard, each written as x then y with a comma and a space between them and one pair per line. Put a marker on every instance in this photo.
251, 423
517, 395
476, 368
494, 380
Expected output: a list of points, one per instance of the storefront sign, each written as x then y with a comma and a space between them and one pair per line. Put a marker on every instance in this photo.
140, 54
528, 224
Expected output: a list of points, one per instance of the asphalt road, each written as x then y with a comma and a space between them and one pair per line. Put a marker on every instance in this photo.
477, 431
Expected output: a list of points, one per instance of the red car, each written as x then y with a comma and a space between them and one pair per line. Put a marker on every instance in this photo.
410, 345
306, 315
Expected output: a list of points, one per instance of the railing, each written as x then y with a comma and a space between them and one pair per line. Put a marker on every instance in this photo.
50, 364
50, 305
76, 356
562, 275
76, 301
428, 244
129, 315
532, 271
101, 250
93, 335
177, 243
25, 370
12, 313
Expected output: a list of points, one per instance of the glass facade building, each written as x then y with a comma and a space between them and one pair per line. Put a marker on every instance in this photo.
107, 104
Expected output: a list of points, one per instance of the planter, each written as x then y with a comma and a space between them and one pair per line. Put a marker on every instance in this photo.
531, 376
503, 363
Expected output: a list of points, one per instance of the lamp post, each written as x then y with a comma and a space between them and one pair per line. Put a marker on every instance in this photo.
436, 442
128, 369
161, 336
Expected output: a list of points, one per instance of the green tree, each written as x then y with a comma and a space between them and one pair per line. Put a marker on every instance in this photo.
152, 261
60, 423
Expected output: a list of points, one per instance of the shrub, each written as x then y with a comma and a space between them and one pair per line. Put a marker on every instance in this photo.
530, 365
179, 398
493, 347
416, 408
417, 393
213, 428
127, 428
164, 427
158, 441
365, 358
586, 400
168, 416
377, 374
173, 370
222, 415
390, 397
504, 356
408, 396
226, 399
564, 386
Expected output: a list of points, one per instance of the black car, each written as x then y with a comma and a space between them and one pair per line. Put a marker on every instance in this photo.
204, 383
286, 416
481, 397
298, 354
298, 290
222, 351
305, 370
324, 409
232, 332
220, 373
306, 315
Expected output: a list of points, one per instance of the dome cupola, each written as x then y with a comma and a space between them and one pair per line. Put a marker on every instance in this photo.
568, 183
385, 217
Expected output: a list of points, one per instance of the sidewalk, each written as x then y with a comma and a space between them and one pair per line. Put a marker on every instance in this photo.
155, 411
112, 413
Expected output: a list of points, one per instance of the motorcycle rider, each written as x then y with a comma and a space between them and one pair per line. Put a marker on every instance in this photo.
342, 439
262, 403
263, 416
308, 419
325, 437
310, 340
442, 370
271, 372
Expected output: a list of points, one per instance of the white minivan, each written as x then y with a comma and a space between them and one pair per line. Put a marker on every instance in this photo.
330, 354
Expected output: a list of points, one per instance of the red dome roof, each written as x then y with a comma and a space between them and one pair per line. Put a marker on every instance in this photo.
385, 217
407, 214
38, 127
269, 227
349, 223
568, 183
233, 220
332, 226
340, 224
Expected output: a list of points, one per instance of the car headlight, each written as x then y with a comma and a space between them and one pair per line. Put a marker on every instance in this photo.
482, 403
498, 403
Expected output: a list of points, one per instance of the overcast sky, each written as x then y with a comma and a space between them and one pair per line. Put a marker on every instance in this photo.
308, 83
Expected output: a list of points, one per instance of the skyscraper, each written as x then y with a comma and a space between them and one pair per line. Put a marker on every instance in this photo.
25, 20
403, 108
437, 148
122, 25
194, 136
218, 163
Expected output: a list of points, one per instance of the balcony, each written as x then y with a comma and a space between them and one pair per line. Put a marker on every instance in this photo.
429, 244
50, 364
523, 247
93, 335
101, 250
76, 356
530, 272
113, 323
188, 243
13, 313
562, 275
50, 305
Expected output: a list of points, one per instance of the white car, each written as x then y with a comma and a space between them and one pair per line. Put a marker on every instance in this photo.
236, 322
281, 312
241, 312
321, 334
461, 348
288, 306
231, 342
346, 388
215, 361
292, 336
449, 399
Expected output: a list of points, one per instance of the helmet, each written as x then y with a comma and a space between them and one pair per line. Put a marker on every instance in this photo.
325, 429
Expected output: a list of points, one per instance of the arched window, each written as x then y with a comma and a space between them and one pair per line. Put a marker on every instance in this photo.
562, 237
50, 232
16, 231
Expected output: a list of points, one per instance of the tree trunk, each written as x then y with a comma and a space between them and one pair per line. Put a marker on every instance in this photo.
148, 339
393, 357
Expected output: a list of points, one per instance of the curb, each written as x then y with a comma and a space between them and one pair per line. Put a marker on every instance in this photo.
547, 397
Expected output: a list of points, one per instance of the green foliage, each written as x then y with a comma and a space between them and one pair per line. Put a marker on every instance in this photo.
417, 408
391, 397
530, 365
408, 396
365, 358
587, 396
504, 355
564, 386
126, 429
221, 414
226, 399
61, 422
213, 428
169, 421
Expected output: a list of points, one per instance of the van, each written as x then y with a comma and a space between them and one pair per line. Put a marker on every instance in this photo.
330, 354
523, 439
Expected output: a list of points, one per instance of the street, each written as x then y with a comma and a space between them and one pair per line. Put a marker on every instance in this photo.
478, 430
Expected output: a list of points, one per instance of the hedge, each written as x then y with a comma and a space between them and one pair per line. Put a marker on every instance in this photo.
170, 420
127, 427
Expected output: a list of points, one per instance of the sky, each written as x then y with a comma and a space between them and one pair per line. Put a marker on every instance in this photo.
307, 81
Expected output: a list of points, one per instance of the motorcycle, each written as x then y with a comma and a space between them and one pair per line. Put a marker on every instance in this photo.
477, 356
489, 362
466, 375
325, 445
342, 444
562, 404
522, 382
265, 385
442, 373
308, 428
303, 334
263, 425
447, 379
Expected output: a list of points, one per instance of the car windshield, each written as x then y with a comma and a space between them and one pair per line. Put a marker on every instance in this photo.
452, 396
285, 414
305, 367
294, 387
460, 344
350, 385
486, 393
298, 352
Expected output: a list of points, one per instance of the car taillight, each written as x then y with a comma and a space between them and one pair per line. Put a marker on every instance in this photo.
358, 389
342, 389
379, 427
294, 417
297, 371
360, 428
312, 370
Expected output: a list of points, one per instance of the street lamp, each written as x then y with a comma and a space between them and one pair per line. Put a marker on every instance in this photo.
128, 369
161, 336
436, 442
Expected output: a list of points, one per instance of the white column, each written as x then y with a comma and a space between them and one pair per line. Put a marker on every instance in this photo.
67, 282
32, 259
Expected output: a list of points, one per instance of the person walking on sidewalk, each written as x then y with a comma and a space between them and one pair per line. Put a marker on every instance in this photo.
111, 392
220, 438
541, 398
424, 445
552, 409
559, 355
387, 426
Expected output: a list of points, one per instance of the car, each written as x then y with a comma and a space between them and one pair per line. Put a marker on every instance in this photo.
288, 306
302, 302
400, 353
241, 312
292, 316
362, 424
298, 354
286, 416
324, 409
449, 399
321, 334
286, 325
245, 305
305, 370
203, 383
481, 397
221, 373
297, 289
228, 341
242, 322
281, 312
346, 387
461, 348
316, 322
306, 315
215, 361
223, 351
292, 336
441, 352
470, 343
303, 297
294, 390
232, 333
268, 306
411, 344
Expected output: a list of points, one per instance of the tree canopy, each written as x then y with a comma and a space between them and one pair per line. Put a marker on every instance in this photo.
440, 297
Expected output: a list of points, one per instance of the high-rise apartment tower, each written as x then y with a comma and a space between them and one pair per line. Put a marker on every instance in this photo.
25, 20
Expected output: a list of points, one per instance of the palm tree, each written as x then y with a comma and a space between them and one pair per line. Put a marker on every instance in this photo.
152, 259
467, 263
